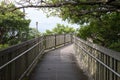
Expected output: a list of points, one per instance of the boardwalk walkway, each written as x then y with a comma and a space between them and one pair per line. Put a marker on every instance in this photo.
58, 64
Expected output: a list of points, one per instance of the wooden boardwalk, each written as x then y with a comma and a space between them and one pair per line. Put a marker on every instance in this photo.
58, 64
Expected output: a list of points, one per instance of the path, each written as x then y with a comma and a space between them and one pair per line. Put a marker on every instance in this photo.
58, 64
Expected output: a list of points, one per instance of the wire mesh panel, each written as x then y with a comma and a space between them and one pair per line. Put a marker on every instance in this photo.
99, 63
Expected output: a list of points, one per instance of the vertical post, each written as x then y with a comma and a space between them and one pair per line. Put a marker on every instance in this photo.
106, 71
37, 26
64, 39
44, 42
55, 40
74, 38
116, 68
71, 37
108, 74
26, 56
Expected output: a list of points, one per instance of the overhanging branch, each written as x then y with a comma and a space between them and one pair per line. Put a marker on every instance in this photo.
65, 3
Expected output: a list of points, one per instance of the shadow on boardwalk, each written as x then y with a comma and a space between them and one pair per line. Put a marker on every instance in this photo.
59, 64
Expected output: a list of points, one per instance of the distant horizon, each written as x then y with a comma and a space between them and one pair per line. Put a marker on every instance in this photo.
44, 22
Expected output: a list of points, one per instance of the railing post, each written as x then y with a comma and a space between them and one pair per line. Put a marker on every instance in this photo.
71, 37
64, 39
44, 42
74, 38
55, 40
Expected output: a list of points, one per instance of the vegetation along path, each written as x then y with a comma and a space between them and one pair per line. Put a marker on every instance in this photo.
59, 64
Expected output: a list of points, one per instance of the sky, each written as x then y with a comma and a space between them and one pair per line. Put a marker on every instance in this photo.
44, 22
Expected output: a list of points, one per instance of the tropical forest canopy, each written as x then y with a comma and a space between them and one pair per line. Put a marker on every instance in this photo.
100, 19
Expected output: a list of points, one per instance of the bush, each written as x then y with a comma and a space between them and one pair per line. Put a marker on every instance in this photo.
3, 46
115, 46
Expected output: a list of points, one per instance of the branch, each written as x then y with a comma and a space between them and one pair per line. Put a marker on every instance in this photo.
99, 11
65, 3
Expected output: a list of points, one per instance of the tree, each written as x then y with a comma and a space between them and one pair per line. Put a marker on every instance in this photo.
12, 25
104, 31
85, 6
33, 33
97, 14
60, 29
60, 3
48, 32
102, 20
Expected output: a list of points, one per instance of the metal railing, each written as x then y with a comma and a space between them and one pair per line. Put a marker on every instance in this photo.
18, 61
98, 62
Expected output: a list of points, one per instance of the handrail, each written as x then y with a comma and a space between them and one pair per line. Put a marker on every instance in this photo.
99, 61
111, 53
1, 67
36, 47
17, 46
30, 65
27, 54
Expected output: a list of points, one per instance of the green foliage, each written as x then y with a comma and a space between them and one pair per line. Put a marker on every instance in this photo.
78, 14
60, 29
13, 25
115, 46
103, 23
84, 32
33, 33
48, 32
104, 31
3, 46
